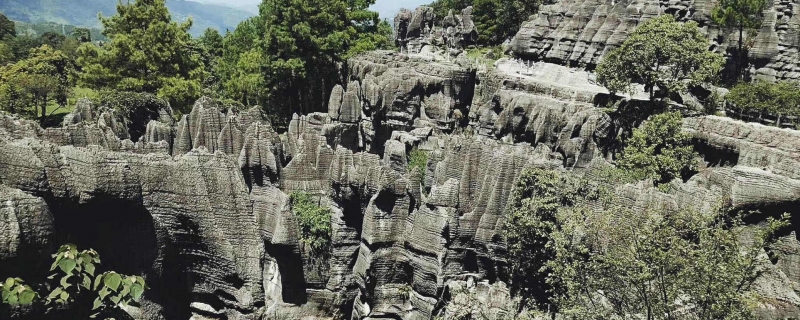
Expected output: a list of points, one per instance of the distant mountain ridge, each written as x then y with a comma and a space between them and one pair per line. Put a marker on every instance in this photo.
84, 12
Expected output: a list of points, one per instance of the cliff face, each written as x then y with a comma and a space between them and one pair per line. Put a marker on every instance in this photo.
200, 206
579, 33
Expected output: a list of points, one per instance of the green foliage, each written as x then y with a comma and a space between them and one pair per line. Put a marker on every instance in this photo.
658, 264
7, 28
303, 42
782, 98
75, 275
659, 150
47, 75
6, 53
14, 291
660, 53
742, 15
537, 197
418, 160
148, 52
314, 222
496, 20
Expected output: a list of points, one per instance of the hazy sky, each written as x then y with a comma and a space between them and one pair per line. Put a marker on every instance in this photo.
387, 8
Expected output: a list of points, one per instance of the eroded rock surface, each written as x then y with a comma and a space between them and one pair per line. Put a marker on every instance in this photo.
581, 32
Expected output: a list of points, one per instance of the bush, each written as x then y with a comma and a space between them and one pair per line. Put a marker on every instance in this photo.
139, 108
418, 160
616, 263
782, 98
572, 251
74, 278
659, 150
314, 222
537, 197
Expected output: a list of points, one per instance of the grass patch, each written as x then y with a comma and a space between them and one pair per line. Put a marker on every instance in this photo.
480, 54
56, 113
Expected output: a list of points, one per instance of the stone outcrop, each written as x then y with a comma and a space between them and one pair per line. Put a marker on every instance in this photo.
202, 206
580, 33
415, 30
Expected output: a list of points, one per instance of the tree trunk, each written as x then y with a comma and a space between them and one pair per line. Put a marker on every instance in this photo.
43, 118
739, 72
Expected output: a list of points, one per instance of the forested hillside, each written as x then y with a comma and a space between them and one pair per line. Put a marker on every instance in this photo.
84, 13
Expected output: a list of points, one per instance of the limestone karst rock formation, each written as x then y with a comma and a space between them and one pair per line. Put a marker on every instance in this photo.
413, 31
201, 206
580, 32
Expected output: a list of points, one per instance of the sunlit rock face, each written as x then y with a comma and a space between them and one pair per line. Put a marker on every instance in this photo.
201, 205
580, 33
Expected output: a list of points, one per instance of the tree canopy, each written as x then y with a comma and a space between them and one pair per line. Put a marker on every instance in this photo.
661, 53
496, 20
7, 28
46, 76
147, 52
659, 150
742, 15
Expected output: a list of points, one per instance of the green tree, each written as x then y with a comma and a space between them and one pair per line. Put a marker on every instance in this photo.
535, 200
659, 150
657, 264
7, 28
55, 40
6, 53
303, 42
782, 98
47, 76
212, 42
660, 53
83, 35
147, 52
742, 15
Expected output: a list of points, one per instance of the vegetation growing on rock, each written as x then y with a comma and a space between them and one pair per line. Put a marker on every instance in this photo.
662, 54
659, 150
314, 221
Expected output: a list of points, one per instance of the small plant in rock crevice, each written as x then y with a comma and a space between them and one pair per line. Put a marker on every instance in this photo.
314, 221
418, 159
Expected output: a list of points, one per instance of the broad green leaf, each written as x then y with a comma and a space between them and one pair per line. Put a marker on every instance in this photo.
9, 283
90, 268
65, 281
97, 281
67, 265
116, 299
87, 282
97, 303
112, 281
136, 291
12, 299
64, 296
27, 297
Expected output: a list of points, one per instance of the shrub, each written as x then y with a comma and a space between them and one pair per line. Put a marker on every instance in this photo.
314, 221
536, 198
418, 160
659, 150
658, 264
73, 277
782, 98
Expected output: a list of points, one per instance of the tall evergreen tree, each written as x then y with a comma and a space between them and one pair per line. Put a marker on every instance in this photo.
147, 52
742, 15
303, 42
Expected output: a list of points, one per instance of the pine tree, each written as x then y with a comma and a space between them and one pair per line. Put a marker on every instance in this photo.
147, 52
742, 15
